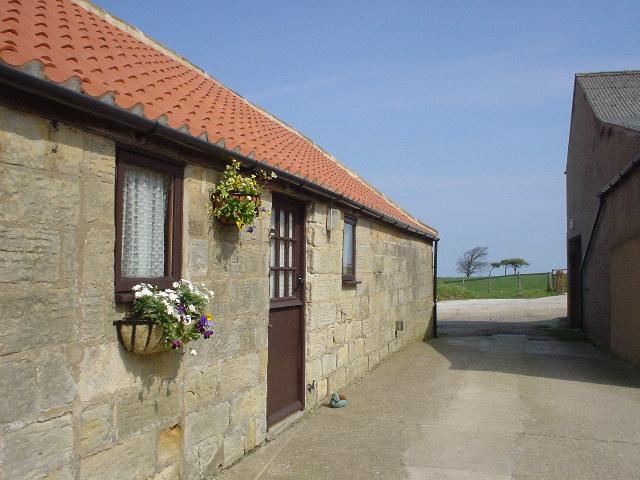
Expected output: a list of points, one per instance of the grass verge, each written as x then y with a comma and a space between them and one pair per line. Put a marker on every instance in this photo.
528, 286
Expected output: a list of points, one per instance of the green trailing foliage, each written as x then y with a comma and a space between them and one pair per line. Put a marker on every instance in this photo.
235, 199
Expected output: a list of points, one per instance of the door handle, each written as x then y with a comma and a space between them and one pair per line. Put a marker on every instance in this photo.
270, 326
300, 279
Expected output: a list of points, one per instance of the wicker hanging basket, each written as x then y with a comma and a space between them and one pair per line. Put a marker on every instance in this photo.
142, 337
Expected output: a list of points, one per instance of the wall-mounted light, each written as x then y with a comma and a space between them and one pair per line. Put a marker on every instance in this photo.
332, 218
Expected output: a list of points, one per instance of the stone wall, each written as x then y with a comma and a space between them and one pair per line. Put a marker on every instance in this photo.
350, 329
76, 405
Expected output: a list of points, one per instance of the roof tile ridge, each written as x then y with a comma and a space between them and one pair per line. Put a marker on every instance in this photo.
607, 73
355, 175
602, 119
589, 100
141, 36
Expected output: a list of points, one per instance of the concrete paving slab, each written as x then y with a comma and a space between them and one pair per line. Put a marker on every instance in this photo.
490, 406
434, 473
469, 450
542, 457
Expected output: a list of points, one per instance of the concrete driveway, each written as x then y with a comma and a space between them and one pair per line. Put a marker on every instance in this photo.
498, 316
471, 405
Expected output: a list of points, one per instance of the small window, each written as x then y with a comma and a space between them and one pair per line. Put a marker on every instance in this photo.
349, 250
148, 222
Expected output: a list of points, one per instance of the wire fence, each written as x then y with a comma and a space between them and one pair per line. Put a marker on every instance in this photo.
476, 279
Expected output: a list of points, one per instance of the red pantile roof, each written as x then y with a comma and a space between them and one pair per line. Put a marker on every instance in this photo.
74, 41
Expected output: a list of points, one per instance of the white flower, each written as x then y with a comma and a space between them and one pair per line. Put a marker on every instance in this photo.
191, 308
248, 197
145, 292
187, 320
176, 284
137, 287
193, 353
211, 293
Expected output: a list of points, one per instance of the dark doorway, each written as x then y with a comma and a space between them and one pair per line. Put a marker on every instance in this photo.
285, 373
574, 262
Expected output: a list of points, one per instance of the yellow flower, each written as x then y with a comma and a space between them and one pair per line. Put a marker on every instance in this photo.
239, 224
209, 317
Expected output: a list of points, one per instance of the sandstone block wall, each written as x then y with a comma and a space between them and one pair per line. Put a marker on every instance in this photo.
350, 329
74, 404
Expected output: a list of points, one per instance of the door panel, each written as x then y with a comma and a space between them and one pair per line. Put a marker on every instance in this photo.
285, 373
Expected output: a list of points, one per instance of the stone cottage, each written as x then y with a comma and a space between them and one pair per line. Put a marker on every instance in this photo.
603, 225
91, 110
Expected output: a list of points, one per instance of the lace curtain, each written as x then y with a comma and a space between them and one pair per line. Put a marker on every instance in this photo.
145, 197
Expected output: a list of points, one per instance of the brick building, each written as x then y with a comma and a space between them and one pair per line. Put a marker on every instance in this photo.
603, 225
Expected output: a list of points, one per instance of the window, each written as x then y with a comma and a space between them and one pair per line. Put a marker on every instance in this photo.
349, 250
148, 222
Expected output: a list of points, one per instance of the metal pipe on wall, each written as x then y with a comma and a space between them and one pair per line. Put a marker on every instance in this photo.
602, 195
435, 286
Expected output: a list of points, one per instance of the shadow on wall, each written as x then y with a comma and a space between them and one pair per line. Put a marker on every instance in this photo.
159, 374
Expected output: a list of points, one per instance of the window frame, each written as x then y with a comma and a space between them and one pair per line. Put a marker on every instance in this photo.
349, 279
173, 234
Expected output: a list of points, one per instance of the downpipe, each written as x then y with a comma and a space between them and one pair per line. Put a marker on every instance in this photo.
602, 195
435, 287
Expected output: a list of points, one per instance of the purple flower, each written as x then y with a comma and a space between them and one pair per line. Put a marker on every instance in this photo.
250, 229
182, 308
208, 333
202, 324
176, 344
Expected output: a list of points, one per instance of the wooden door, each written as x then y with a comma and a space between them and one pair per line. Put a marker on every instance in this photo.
285, 373
574, 262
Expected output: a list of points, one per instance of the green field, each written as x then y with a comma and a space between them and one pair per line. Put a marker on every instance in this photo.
532, 285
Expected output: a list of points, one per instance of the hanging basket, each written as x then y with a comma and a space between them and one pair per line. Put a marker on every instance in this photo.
142, 337
242, 197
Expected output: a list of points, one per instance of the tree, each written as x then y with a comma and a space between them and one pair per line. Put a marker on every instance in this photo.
514, 263
492, 267
472, 261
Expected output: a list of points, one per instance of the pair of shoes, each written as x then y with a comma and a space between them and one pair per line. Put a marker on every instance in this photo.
337, 402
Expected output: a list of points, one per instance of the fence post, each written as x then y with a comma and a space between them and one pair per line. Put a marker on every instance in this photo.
549, 282
519, 284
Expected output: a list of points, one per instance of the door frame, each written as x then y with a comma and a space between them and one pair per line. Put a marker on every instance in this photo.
575, 302
303, 203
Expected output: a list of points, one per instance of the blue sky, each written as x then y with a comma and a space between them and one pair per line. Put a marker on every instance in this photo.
458, 111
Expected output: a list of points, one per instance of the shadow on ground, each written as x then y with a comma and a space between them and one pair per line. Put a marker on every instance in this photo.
525, 338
